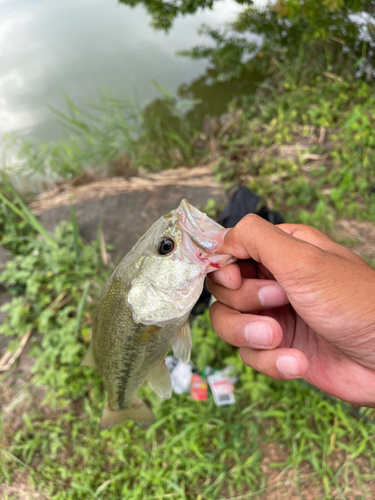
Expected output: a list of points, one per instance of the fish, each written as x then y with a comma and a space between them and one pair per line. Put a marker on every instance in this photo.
144, 308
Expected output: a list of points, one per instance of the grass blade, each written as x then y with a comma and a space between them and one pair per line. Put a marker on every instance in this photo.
81, 307
27, 215
162, 90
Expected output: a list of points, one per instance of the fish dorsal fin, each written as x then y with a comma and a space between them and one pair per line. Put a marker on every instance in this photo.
182, 344
88, 360
160, 381
139, 413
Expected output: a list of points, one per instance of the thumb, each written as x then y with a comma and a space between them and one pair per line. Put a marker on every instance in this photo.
280, 252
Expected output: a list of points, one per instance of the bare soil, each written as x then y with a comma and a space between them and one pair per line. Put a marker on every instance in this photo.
21, 491
127, 208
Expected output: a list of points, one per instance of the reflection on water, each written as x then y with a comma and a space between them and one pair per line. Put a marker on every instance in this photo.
214, 95
80, 45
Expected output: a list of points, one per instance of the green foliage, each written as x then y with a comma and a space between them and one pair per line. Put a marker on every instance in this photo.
227, 54
306, 148
166, 139
195, 449
26, 215
284, 24
164, 12
213, 209
50, 290
47, 292
114, 132
14, 232
312, 36
107, 131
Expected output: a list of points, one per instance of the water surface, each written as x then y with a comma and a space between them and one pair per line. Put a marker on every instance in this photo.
47, 46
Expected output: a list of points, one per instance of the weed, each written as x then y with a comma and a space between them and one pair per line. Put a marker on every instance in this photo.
311, 158
113, 131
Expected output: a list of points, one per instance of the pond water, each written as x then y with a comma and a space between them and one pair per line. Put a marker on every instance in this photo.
79, 46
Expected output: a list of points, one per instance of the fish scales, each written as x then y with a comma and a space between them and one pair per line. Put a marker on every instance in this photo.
125, 360
144, 308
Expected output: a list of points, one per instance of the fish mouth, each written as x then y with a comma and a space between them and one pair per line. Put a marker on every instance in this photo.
198, 226
201, 230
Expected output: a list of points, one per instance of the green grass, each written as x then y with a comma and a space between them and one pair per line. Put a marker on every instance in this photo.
272, 145
111, 135
195, 450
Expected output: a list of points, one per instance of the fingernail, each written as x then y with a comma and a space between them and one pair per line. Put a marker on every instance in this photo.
259, 334
288, 365
272, 296
219, 237
222, 278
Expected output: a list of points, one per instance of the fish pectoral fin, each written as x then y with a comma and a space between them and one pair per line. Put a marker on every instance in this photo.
182, 345
160, 381
88, 360
139, 413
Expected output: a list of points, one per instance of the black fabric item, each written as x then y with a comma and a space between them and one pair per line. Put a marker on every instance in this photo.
242, 201
270, 215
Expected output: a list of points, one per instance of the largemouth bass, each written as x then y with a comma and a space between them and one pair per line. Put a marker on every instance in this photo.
144, 309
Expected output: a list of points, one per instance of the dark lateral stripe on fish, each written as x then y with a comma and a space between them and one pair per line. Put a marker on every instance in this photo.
131, 356
124, 378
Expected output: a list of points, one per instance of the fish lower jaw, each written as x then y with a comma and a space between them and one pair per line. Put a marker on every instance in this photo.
204, 259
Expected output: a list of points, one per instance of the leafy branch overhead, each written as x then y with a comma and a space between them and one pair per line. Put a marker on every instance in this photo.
308, 16
164, 12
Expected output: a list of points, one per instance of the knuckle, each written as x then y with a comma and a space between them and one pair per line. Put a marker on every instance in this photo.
313, 231
233, 299
302, 229
249, 220
259, 361
262, 365
314, 257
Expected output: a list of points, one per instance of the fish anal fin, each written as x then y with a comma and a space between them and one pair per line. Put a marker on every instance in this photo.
160, 381
139, 413
88, 360
182, 344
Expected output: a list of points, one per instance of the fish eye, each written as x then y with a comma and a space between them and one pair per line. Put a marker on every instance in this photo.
166, 246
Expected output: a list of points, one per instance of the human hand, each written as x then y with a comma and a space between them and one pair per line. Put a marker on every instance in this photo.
304, 306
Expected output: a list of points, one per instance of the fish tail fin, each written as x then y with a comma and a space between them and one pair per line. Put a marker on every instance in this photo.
139, 413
